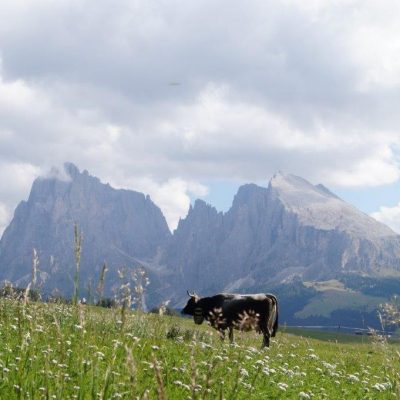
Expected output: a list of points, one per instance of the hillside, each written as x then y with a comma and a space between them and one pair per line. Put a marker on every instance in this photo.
88, 352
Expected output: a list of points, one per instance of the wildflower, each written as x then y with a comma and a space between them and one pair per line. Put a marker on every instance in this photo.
304, 395
283, 386
266, 371
253, 350
246, 385
328, 366
353, 378
381, 387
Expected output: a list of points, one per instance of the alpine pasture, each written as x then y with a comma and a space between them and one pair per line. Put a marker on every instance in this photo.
60, 351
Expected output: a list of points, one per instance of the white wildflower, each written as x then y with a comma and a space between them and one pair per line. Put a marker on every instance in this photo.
283, 386
353, 378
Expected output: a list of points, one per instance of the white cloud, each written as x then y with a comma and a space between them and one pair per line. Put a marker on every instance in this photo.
172, 196
16, 178
389, 216
380, 168
4, 217
307, 87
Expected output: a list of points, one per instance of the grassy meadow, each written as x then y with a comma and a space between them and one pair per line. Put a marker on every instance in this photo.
59, 351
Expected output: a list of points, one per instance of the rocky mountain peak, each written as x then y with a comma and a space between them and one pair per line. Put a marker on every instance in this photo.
71, 169
119, 226
248, 193
317, 206
297, 190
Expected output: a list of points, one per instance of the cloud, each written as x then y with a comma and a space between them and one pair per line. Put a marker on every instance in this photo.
389, 216
173, 195
310, 88
4, 217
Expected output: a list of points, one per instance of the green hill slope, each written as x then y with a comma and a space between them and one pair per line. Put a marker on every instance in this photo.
58, 351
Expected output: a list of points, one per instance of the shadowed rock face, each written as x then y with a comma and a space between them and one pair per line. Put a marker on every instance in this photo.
269, 236
119, 226
292, 228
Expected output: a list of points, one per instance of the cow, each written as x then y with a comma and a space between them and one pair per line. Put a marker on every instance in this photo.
236, 311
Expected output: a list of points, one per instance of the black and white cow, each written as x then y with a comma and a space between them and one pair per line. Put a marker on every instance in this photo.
236, 311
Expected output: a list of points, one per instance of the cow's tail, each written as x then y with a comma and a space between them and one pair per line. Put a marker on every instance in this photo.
274, 314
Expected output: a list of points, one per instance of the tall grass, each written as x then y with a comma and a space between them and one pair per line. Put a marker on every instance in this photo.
63, 351
78, 252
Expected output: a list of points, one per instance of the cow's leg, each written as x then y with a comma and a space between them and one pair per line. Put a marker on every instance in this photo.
231, 334
221, 334
265, 339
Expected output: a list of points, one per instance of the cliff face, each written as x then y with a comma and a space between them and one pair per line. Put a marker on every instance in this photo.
119, 226
272, 235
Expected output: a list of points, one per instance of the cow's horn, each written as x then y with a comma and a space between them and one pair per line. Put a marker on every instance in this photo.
190, 294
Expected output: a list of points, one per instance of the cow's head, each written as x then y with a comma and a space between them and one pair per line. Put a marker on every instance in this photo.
193, 308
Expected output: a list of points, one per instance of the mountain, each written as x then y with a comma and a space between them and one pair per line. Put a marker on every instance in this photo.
285, 239
326, 260
270, 235
121, 227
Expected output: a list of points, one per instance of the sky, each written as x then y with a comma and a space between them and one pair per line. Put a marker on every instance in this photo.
191, 99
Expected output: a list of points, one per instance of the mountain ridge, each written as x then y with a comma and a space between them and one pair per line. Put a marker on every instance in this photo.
290, 231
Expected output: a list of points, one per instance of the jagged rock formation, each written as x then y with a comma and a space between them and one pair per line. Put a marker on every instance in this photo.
271, 235
291, 231
121, 227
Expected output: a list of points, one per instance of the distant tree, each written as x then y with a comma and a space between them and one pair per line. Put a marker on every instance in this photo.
106, 302
17, 293
390, 312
